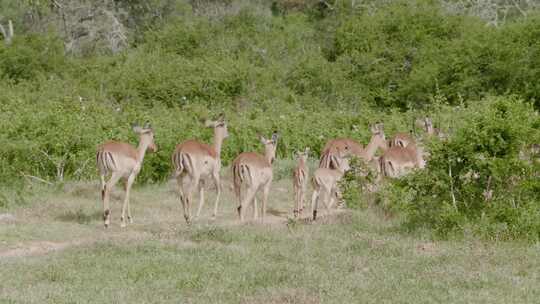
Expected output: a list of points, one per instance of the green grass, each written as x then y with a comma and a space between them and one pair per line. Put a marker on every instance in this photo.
351, 257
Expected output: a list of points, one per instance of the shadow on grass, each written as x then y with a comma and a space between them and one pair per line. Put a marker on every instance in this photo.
276, 212
80, 216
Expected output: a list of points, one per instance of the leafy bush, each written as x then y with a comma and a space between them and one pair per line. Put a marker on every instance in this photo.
31, 55
479, 177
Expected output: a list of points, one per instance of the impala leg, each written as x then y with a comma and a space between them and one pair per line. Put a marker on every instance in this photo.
266, 191
255, 211
333, 194
103, 186
217, 181
332, 197
238, 192
129, 183
106, 197
314, 203
302, 200
249, 196
296, 202
180, 188
189, 198
201, 197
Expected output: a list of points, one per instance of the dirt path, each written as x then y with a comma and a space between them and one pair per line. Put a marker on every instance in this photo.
157, 212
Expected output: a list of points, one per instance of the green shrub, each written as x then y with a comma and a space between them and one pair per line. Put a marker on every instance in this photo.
29, 56
483, 156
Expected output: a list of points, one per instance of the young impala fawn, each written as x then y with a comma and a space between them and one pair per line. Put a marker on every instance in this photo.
253, 172
122, 161
325, 183
300, 179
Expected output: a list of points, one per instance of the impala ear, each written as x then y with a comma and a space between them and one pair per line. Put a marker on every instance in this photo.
275, 137
263, 140
221, 117
136, 128
209, 123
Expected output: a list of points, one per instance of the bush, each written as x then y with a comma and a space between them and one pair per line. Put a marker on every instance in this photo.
479, 177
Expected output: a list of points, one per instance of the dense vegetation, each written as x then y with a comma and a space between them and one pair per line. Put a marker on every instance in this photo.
311, 70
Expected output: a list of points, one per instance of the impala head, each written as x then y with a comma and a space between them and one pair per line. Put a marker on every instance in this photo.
303, 155
270, 146
377, 135
220, 126
428, 125
146, 134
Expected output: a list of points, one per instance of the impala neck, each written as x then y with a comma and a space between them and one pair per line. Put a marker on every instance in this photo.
430, 130
141, 150
371, 148
218, 142
269, 155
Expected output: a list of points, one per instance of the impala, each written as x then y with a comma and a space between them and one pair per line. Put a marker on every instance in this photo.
122, 161
325, 183
401, 139
337, 145
253, 171
343, 148
396, 160
195, 162
300, 178
430, 130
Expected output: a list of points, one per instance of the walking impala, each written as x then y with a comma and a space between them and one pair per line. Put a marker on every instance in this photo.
123, 161
253, 171
300, 178
325, 183
194, 162
343, 148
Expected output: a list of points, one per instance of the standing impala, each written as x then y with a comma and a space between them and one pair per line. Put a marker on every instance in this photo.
253, 171
430, 130
194, 162
377, 141
337, 145
397, 160
300, 178
122, 160
325, 183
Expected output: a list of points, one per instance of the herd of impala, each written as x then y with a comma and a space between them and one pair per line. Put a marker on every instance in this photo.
195, 162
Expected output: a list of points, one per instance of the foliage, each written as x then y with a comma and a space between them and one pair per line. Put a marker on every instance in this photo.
311, 70
480, 177
357, 184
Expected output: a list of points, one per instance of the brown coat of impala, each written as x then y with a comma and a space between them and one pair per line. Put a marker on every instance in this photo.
195, 162
337, 145
300, 179
253, 172
397, 160
122, 161
325, 183
401, 139
340, 147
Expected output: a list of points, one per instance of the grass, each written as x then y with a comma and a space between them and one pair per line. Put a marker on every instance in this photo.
350, 257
